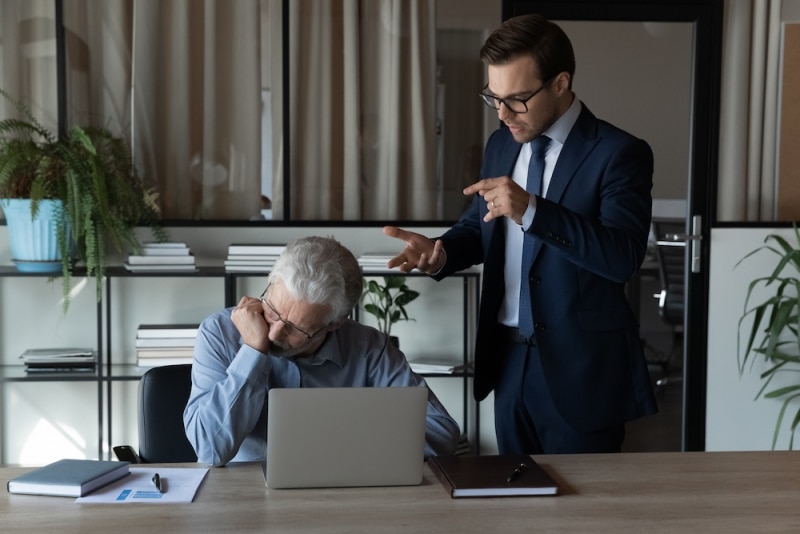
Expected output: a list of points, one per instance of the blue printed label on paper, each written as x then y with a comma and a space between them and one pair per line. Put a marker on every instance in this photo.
141, 494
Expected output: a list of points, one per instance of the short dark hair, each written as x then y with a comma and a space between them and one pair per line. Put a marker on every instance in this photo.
535, 36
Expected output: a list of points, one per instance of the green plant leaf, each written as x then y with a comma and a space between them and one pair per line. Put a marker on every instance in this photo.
772, 326
387, 300
394, 282
91, 171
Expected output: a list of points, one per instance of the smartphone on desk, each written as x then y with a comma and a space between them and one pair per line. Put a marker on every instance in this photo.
125, 453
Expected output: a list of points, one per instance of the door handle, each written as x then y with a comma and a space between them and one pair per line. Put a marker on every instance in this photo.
682, 237
681, 240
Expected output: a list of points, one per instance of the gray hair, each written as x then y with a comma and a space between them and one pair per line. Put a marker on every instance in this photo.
320, 270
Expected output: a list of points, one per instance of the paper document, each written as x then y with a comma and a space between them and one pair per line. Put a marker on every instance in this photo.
179, 484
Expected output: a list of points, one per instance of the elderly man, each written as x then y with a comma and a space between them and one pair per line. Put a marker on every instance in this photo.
297, 334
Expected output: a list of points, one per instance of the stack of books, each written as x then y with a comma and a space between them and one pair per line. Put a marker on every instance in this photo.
165, 344
245, 257
162, 257
436, 366
375, 261
59, 359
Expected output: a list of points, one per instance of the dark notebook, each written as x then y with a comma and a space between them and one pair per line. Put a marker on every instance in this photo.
492, 476
69, 478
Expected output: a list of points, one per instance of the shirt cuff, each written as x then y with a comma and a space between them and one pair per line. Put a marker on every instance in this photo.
530, 213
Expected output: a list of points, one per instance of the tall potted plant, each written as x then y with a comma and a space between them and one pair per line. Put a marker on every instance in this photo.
774, 333
387, 301
89, 175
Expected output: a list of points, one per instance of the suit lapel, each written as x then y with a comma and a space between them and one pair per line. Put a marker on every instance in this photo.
580, 142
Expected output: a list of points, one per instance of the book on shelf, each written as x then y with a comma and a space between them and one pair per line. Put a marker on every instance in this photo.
42, 368
69, 478
146, 363
249, 268
437, 366
262, 261
377, 256
375, 261
164, 268
505, 475
253, 257
164, 342
167, 352
186, 259
59, 356
255, 248
165, 251
165, 244
167, 330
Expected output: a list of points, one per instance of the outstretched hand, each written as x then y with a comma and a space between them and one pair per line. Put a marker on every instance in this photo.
420, 252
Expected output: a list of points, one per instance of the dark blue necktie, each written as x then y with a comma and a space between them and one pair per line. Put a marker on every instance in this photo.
534, 187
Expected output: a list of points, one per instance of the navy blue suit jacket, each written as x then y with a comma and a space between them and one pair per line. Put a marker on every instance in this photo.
590, 237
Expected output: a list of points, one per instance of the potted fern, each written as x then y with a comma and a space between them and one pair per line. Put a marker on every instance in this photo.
387, 302
85, 182
774, 333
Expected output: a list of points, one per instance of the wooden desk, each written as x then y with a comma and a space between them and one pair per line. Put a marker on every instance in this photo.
629, 492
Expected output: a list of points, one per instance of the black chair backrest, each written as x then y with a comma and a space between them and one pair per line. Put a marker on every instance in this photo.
671, 258
163, 394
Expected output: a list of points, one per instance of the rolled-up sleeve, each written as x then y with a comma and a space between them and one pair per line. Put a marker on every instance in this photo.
229, 386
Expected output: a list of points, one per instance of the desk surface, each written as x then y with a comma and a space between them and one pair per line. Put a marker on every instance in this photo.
629, 492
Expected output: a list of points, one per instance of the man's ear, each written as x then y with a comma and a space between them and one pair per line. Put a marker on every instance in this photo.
562, 82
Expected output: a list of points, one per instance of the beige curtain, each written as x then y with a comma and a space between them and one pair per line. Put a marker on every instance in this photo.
749, 111
98, 51
197, 121
196, 98
362, 103
28, 58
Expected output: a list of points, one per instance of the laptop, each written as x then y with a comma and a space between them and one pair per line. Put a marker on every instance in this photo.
344, 437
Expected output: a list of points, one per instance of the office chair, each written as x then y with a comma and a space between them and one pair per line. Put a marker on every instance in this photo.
163, 394
670, 257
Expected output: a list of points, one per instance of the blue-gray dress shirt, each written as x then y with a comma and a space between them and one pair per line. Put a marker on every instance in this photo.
226, 415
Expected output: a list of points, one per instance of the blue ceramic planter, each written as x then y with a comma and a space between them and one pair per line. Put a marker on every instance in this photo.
34, 246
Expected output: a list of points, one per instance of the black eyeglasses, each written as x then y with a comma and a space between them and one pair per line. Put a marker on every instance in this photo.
513, 104
290, 328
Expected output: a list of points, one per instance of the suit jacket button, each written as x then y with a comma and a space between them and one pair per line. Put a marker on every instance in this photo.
539, 327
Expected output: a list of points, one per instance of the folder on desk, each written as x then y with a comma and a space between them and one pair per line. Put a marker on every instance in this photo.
69, 477
492, 476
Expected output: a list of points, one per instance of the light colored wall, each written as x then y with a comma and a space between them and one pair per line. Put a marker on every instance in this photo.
734, 419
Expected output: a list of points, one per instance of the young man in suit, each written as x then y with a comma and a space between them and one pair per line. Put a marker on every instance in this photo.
557, 341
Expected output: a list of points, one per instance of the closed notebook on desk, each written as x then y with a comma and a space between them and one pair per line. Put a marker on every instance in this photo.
337, 437
69, 478
492, 476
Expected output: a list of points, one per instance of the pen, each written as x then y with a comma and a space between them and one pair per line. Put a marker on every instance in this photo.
517, 470
157, 482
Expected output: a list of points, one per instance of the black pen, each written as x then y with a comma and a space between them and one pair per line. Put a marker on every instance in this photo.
517, 470
157, 482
